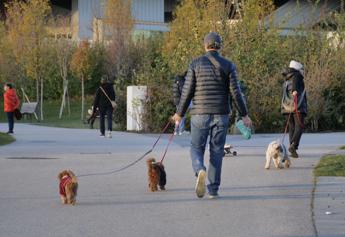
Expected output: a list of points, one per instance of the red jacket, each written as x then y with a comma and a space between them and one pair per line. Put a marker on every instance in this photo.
64, 181
11, 100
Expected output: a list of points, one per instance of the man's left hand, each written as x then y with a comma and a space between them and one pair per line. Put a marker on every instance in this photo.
176, 118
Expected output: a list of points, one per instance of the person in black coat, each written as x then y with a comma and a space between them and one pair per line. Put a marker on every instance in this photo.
294, 96
102, 102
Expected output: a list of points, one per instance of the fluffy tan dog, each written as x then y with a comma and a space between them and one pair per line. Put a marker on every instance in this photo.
68, 187
156, 175
277, 152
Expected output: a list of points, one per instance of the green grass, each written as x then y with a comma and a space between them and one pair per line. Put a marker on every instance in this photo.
51, 115
331, 165
6, 139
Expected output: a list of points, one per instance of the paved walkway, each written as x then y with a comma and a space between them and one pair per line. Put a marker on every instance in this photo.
254, 201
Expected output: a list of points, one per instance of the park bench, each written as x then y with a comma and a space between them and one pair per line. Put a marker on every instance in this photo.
29, 109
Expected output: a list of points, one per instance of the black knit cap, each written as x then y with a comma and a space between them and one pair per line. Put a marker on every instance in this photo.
213, 40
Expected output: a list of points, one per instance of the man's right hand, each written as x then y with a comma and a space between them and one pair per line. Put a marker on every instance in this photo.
247, 121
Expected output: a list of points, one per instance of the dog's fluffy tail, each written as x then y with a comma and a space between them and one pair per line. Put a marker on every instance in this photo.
74, 181
72, 175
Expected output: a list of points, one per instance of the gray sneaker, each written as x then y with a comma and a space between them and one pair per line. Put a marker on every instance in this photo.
213, 196
200, 187
109, 134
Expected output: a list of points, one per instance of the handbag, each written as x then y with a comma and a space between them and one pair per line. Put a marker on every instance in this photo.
17, 114
113, 103
288, 103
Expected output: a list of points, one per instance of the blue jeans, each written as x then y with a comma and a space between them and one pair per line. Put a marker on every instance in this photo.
215, 126
10, 119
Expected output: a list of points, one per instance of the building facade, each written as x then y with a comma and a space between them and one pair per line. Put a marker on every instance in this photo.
148, 15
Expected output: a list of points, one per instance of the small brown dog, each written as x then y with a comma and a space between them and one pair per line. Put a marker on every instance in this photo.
68, 187
156, 175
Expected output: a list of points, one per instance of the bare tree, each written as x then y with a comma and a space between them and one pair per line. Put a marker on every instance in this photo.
81, 65
64, 49
118, 26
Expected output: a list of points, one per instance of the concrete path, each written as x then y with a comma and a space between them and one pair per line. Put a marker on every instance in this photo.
254, 201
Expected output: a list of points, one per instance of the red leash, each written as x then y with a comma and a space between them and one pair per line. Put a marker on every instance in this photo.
170, 141
297, 112
166, 149
160, 135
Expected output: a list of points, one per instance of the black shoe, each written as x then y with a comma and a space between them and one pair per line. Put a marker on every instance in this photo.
9, 132
293, 152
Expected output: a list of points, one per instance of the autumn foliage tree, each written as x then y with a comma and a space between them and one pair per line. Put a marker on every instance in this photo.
26, 23
260, 53
193, 20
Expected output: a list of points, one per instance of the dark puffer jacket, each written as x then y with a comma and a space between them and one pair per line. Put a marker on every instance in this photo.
101, 101
295, 83
210, 90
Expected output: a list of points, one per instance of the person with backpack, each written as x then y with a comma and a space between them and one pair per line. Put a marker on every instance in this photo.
104, 99
294, 104
177, 92
11, 103
210, 83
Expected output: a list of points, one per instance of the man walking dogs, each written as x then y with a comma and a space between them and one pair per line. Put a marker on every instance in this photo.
211, 83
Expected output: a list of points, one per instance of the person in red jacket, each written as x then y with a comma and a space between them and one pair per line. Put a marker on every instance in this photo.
11, 102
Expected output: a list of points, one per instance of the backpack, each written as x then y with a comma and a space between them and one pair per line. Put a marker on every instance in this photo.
288, 104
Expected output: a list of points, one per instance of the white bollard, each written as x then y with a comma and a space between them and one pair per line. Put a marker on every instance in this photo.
136, 97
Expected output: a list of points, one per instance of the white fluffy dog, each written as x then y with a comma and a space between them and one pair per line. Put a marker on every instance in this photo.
277, 152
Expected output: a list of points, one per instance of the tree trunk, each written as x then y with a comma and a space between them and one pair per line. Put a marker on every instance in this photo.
38, 94
37, 90
82, 98
41, 98
63, 102
64, 94
68, 103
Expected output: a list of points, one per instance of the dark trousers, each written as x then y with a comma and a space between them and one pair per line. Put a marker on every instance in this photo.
109, 113
296, 128
10, 119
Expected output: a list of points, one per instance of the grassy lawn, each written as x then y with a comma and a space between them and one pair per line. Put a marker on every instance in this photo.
331, 165
51, 115
5, 139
